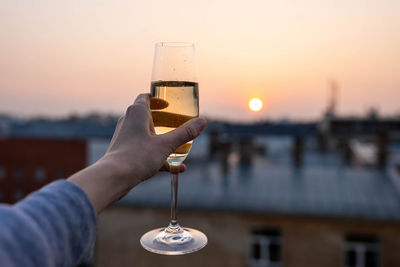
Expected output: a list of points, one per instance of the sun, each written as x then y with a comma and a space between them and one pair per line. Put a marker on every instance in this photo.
255, 104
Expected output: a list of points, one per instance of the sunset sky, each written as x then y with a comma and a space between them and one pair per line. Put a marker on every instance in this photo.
58, 57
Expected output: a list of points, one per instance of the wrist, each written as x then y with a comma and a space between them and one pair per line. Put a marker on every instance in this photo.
103, 182
114, 176
118, 170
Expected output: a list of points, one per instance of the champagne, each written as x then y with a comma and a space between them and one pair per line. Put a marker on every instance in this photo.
173, 103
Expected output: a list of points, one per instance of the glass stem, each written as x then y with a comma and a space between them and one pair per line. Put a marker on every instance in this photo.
174, 200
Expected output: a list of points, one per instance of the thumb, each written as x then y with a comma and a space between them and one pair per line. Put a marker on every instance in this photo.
185, 133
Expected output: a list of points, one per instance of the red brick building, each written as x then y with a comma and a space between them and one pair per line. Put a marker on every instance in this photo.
28, 164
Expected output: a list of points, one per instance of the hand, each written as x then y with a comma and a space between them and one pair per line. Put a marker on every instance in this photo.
135, 147
135, 154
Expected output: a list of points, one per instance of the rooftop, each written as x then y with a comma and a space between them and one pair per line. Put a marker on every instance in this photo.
323, 190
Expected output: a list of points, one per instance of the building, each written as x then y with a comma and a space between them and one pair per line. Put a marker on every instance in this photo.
267, 214
27, 164
262, 200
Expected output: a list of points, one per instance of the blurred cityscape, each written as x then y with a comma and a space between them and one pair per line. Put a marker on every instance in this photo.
271, 193
281, 192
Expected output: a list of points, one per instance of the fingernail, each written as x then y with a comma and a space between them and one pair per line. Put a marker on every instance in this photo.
201, 124
174, 169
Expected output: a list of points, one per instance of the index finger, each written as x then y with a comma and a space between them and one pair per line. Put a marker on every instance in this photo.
143, 99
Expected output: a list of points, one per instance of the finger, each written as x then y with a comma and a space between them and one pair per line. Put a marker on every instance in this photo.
151, 127
182, 168
165, 167
116, 131
142, 102
143, 99
138, 114
184, 133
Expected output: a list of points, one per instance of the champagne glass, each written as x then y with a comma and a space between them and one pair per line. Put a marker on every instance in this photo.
174, 100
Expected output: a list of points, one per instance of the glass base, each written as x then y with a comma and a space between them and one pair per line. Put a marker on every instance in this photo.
173, 240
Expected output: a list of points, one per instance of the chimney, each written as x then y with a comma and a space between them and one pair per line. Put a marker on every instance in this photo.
298, 151
382, 141
346, 151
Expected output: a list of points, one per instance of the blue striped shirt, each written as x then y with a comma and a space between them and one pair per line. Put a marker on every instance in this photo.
55, 226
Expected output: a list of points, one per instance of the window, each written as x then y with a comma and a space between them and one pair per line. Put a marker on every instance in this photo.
40, 175
2, 173
19, 174
19, 194
265, 248
361, 251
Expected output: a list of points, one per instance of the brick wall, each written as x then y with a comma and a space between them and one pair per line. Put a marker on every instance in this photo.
28, 164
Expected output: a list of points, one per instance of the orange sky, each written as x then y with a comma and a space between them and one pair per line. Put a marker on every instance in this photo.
58, 57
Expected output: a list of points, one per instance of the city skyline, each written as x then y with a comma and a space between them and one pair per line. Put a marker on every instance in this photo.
75, 57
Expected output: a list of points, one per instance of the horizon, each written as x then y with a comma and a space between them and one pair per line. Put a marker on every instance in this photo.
80, 57
212, 119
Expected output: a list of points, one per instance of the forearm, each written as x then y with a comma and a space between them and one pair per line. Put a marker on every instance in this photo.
55, 226
103, 182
